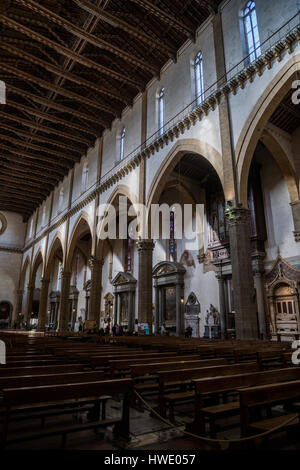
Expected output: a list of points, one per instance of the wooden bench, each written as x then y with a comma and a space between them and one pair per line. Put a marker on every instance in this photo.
171, 379
14, 398
122, 365
7, 371
205, 388
266, 396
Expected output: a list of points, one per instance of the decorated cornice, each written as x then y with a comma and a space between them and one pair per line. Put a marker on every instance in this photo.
189, 118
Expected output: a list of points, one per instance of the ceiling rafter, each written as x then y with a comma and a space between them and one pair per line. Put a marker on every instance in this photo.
53, 170
51, 118
32, 186
61, 91
38, 148
38, 138
40, 127
51, 104
22, 153
117, 22
94, 40
67, 75
166, 17
25, 169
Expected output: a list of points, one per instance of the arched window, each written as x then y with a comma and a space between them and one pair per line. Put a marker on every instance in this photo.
61, 200
251, 31
122, 143
129, 254
30, 229
44, 217
199, 84
85, 177
161, 111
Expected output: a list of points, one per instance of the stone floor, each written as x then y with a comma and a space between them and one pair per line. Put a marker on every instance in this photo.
147, 433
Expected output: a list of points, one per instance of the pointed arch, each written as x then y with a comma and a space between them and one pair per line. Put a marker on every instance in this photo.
56, 244
83, 225
26, 265
38, 259
179, 149
255, 127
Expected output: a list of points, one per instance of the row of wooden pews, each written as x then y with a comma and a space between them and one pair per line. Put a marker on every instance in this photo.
48, 376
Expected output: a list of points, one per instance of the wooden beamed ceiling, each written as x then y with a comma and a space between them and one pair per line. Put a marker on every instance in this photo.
70, 68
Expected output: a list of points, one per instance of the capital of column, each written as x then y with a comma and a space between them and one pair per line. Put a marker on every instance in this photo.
145, 245
95, 262
237, 215
65, 274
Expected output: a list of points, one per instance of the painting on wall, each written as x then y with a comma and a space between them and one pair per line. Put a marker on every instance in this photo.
124, 307
170, 308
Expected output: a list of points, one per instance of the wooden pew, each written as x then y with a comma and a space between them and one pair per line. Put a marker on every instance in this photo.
14, 398
171, 379
122, 365
266, 396
52, 379
229, 384
40, 370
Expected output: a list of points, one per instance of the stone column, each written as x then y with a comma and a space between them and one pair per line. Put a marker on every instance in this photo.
96, 287
28, 310
130, 312
145, 250
18, 306
156, 310
64, 301
222, 305
260, 303
295, 206
115, 320
179, 310
118, 309
43, 304
242, 274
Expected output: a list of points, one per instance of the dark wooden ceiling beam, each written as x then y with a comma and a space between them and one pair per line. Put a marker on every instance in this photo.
29, 171
51, 118
67, 164
20, 189
40, 127
117, 22
70, 54
65, 74
44, 140
26, 185
28, 181
24, 204
82, 34
61, 91
166, 17
50, 169
35, 200
38, 148
13, 208
51, 104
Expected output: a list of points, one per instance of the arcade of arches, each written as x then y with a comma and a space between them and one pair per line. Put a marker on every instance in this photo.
234, 281
236, 155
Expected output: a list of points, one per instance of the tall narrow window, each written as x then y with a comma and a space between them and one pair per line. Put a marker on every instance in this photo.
161, 111
172, 241
60, 200
44, 217
122, 143
199, 84
251, 31
85, 177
